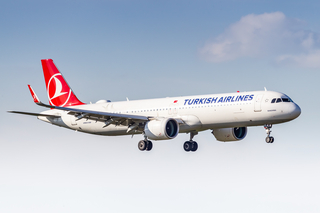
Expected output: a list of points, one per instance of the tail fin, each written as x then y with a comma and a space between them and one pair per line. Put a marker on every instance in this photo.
58, 90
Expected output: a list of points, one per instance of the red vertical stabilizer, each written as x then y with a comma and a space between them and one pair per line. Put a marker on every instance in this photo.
58, 90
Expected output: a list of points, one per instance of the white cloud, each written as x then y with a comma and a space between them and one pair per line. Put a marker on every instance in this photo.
310, 59
266, 35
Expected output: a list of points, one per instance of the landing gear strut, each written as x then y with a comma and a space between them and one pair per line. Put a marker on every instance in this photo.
269, 139
145, 144
191, 145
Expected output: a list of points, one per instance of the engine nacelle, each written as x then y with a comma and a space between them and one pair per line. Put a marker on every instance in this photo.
230, 134
162, 129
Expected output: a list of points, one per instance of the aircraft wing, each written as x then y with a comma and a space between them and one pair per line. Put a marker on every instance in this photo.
106, 117
132, 121
90, 114
35, 114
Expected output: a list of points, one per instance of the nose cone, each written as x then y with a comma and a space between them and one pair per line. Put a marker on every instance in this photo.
296, 111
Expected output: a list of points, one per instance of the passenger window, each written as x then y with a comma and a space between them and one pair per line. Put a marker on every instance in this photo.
273, 100
279, 100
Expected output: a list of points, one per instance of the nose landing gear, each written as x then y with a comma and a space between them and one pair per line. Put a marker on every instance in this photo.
269, 139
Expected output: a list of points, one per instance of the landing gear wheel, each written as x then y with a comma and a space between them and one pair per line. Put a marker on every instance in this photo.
149, 145
187, 146
142, 145
194, 146
269, 139
191, 145
272, 139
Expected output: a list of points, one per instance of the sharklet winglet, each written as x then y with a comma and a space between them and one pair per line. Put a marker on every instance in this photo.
34, 96
36, 99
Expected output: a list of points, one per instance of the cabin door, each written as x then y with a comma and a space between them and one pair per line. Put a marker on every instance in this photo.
257, 103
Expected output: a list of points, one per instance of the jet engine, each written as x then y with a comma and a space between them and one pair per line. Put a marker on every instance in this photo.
161, 129
230, 134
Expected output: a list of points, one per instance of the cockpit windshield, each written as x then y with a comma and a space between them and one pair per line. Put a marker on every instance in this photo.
278, 100
285, 100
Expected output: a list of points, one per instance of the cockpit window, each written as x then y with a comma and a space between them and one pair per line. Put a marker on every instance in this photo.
286, 100
279, 100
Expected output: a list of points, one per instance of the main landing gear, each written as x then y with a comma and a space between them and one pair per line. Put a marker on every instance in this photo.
191, 145
145, 145
269, 139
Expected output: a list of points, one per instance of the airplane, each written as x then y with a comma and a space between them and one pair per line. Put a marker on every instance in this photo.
227, 115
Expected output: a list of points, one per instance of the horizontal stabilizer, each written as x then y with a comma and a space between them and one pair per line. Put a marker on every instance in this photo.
35, 114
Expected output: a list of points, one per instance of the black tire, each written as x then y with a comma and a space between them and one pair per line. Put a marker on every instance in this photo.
149, 145
272, 139
194, 146
142, 145
187, 146
268, 139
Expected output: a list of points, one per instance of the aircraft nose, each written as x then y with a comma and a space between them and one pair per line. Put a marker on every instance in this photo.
296, 111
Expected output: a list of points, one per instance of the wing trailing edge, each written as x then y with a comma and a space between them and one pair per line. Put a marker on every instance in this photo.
35, 114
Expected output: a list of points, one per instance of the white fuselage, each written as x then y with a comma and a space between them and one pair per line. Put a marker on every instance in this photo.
195, 113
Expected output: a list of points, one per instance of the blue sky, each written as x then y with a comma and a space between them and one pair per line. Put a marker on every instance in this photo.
150, 49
